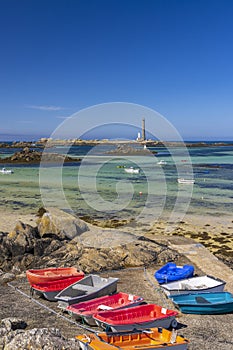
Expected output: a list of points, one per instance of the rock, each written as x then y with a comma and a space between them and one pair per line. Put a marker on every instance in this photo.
7, 277
12, 323
61, 239
21, 239
126, 149
58, 222
38, 339
41, 245
28, 155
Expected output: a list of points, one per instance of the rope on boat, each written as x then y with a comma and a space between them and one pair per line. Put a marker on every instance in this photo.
49, 309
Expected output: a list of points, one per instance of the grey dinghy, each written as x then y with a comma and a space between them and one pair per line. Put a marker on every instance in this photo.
89, 287
200, 284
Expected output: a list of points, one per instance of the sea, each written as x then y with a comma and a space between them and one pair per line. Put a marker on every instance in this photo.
99, 186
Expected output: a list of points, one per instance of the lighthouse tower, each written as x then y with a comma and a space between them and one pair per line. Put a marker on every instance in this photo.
143, 130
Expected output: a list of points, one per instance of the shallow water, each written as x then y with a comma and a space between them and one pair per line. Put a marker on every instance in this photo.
100, 188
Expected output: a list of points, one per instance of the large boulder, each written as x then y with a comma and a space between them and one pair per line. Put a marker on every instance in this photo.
58, 222
21, 239
14, 337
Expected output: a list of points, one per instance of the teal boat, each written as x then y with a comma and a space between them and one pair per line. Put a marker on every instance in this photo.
204, 303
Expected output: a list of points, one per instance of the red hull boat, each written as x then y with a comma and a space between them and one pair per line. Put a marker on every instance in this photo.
51, 288
138, 317
86, 309
52, 274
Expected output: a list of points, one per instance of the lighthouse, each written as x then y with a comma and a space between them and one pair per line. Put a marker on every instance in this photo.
143, 130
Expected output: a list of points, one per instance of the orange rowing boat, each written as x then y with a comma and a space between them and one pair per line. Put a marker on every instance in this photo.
153, 338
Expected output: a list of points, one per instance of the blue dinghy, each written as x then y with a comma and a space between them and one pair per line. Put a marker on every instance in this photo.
204, 303
171, 272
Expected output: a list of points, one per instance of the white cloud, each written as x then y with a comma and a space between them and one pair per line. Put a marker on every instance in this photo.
45, 108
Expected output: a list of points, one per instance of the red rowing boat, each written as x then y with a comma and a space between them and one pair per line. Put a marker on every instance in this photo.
138, 317
52, 274
51, 288
86, 309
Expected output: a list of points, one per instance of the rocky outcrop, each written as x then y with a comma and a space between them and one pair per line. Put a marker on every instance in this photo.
128, 150
13, 336
31, 156
61, 239
18, 144
60, 223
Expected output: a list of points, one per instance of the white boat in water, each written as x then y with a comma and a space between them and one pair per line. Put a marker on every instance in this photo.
199, 284
6, 171
132, 170
162, 162
186, 181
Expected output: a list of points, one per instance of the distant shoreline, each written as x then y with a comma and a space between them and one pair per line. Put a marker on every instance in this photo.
44, 142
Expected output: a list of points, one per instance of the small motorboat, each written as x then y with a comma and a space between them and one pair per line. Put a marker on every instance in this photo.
153, 338
52, 274
162, 162
186, 181
116, 301
89, 287
51, 288
204, 303
6, 171
132, 170
138, 317
171, 272
203, 284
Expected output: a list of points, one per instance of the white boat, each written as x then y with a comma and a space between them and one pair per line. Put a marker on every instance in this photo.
199, 284
6, 171
132, 170
89, 287
162, 162
186, 181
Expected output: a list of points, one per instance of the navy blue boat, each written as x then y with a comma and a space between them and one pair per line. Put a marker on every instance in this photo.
171, 272
204, 303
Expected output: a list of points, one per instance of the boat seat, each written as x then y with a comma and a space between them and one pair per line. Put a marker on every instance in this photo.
50, 273
185, 286
85, 288
202, 300
201, 286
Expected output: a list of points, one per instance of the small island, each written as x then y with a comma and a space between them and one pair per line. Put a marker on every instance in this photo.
30, 156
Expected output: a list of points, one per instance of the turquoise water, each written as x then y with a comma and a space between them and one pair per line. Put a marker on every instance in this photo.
100, 188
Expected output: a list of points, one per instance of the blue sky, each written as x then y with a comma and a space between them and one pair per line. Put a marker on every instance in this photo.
60, 56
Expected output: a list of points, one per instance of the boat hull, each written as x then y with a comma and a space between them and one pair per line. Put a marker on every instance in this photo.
50, 289
186, 181
154, 338
52, 274
132, 171
171, 272
85, 310
193, 285
50, 296
204, 303
138, 317
90, 287
164, 323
